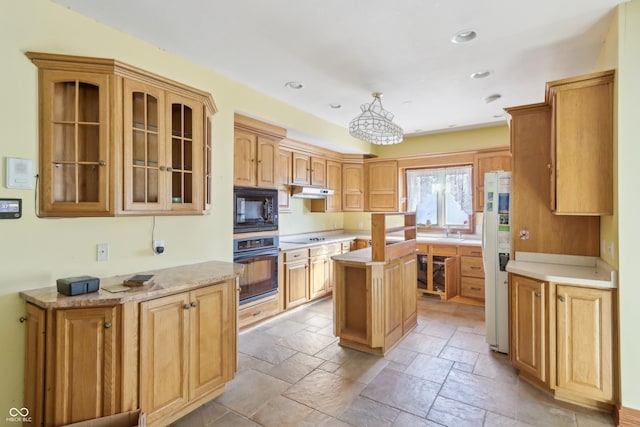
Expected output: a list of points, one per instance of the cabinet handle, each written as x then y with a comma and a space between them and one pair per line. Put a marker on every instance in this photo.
22, 319
162, 168
193, 304
562, 299
257, 313
475, 268
187, 306
538, 294
259, 161
107, 325
169, 169
475, 289
102, 163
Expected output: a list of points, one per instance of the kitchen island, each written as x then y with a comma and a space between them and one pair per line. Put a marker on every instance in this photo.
375, 290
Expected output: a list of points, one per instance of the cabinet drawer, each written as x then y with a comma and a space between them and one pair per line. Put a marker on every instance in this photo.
296, 255
471, 266
447, 250
423, 248
345, 246
470, 251
318, 250
249, 315
472, 287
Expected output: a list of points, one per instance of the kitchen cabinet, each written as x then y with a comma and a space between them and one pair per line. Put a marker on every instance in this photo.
163, 150
581, 162
352, 187
441, 270
254, 160
382, 186
183, 348
296, 277
483, 163
547, 233
584, 325
562, 339
117, 140
318, 272
334, 181
528, 347
89, 341
284, 181
362, 243
309, 170
471, 272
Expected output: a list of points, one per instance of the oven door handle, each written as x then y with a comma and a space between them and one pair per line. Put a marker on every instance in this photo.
243, 256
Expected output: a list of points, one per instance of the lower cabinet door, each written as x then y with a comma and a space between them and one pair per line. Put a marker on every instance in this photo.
83, 371
296, 283
584, 342
164, 339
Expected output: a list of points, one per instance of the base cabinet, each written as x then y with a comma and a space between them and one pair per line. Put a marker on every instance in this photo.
562, 339
165, 356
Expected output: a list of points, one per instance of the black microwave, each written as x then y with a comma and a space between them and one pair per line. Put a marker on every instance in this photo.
254, 209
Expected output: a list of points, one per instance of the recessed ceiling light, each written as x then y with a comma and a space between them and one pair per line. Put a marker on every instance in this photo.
294, 85
335, 106
480, 74
464, 36
498, 116
492, 98
452, 126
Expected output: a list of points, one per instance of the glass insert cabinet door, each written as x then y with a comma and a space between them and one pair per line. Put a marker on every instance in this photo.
75, 155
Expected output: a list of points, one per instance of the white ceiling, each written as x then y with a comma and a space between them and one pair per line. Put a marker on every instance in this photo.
342, 50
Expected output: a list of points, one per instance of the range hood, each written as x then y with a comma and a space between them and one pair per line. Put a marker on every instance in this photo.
305, 192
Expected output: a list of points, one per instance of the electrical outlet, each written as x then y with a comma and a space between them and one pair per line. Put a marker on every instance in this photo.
102, 251
611, 251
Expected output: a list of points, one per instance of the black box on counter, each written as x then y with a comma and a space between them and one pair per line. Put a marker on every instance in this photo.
78, 285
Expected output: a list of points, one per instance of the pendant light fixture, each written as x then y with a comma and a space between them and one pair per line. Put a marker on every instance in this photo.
375, 124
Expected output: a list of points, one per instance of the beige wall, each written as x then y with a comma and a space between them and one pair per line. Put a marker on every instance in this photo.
628, 201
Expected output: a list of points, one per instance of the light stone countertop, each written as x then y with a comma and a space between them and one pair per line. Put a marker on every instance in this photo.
166, 281
569, 269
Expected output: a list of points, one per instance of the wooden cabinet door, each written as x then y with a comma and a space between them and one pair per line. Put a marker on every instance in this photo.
301, 169
34, 366
528, 336
483, 163
296, 283
451, 277
209, 342
352, 187
409, 300
334, 182
244, 159
284, 180
75, 158
267, 160
144, 162
393, 303
83, 377
164, 355
383, 186
318, 171
584, 342
582, 145
318, 276
184, 154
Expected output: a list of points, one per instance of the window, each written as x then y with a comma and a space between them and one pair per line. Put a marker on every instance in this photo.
441, 197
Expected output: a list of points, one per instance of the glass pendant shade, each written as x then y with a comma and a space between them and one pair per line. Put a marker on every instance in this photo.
375, 124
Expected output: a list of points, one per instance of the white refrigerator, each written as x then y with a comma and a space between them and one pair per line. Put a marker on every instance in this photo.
496, 252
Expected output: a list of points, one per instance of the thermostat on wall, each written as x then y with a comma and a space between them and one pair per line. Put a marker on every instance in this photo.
19, 173
10, 208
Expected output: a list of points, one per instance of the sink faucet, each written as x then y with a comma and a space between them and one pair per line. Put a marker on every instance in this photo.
446, 231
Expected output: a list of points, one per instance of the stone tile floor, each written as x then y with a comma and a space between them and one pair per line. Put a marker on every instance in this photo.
292, 372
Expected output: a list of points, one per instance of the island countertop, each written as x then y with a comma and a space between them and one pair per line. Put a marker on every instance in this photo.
166, 281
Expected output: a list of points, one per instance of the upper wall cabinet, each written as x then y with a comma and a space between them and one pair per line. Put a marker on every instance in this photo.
382, 186
582, 144
483, 163
117, 140
255, 153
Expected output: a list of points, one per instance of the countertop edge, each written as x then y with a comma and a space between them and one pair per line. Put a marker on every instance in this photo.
539, 271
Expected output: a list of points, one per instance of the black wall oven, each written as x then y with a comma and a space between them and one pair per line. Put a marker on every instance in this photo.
254, 209
259, 255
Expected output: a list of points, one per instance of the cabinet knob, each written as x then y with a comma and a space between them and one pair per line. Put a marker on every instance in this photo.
23, 319
169, 169
102, 163
162, 168
187, 306
538, 294
562, 299
193, 304
107, 325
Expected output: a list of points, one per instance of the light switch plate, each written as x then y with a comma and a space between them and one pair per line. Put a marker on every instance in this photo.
19, 173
